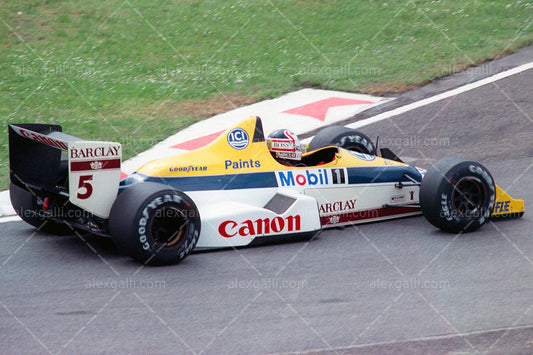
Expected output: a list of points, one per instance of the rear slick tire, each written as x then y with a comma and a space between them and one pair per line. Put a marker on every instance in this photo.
343, 137
26, 205
154, 224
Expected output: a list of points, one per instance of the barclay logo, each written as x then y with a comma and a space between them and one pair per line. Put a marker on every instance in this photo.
95, 152
337, 206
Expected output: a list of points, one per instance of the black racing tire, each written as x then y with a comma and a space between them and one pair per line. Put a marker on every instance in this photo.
154, 224
25, 203
343, 137
457, 195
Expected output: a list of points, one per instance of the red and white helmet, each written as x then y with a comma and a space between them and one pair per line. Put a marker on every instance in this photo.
284, 144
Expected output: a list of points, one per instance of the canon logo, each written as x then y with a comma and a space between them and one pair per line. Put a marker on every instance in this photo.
42, 138
260, 226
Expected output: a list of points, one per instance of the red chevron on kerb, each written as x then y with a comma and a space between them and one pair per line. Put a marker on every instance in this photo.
319, 109
198, 142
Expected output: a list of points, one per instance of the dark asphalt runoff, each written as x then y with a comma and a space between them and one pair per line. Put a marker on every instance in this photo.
397, 287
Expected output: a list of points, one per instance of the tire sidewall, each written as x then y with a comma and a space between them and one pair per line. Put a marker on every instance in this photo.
355, 139
439, 208
131, 229
25, 204
156, 204
343, 137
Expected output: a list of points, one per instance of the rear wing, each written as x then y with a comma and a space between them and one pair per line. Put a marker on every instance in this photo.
42, 157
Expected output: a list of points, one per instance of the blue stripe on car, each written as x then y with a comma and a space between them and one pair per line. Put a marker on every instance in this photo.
380, 174
356, 175
219, 182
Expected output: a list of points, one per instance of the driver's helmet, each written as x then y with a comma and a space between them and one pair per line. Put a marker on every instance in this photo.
284, 144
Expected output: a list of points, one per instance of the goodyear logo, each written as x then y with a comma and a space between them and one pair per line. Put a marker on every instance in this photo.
238, 138
502, 206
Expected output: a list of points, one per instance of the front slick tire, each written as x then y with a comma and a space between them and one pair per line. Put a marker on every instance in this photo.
457, 195
154, 224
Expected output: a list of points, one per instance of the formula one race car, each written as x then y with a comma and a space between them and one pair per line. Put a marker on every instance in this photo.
234, 192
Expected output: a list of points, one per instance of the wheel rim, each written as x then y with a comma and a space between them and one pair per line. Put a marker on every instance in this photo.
468, 197
168, 226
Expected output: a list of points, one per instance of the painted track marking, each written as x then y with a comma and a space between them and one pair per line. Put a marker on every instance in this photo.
442, 96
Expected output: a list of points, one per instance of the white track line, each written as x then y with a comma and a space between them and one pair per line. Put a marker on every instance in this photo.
9, 219
444, 95
413, 340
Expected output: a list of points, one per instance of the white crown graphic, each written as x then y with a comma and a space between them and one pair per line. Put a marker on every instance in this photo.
95, 165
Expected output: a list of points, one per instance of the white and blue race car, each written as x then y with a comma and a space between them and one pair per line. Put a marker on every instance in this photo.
234, 193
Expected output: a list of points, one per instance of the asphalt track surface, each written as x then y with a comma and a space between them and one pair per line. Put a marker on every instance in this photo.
397, 287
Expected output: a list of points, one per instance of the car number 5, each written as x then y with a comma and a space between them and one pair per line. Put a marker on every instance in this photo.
84, 183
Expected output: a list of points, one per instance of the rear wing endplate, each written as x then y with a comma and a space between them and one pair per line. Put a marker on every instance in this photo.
41, 156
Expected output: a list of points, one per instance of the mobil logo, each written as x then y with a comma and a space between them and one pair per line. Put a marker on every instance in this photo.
302, 177
311, 177
238, 138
